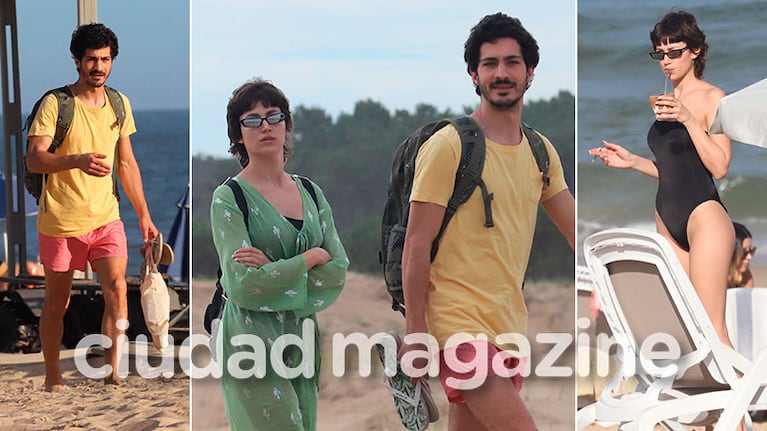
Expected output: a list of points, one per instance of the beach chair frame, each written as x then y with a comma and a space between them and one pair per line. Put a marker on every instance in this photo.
644, 290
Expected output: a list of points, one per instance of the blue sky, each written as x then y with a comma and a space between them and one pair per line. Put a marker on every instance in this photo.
332, 53
152, 68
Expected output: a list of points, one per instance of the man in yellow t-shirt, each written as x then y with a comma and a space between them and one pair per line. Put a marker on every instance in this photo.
474, 283
79, 219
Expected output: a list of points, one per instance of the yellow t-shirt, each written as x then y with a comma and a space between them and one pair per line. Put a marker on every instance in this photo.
476, 278
75, 202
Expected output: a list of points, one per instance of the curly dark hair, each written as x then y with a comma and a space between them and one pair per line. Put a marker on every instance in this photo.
681, 26
93, 36
243, 99
492, 28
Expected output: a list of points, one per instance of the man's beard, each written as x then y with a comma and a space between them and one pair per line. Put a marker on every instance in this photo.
504, 104
94, 82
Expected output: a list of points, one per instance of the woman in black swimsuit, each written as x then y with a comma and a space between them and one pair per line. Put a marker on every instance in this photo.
689, 212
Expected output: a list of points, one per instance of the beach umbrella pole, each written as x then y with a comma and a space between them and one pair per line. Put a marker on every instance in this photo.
15, 225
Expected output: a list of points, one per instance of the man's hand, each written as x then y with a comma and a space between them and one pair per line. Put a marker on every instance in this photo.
93, 164
416, 357
147, 227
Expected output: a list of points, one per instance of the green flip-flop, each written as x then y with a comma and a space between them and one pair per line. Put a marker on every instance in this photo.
413, 401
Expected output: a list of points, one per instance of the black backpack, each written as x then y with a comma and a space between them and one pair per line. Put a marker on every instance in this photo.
34, 181
215, 309
467, 178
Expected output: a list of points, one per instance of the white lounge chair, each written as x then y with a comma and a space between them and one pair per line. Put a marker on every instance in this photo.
746, 320
645, 292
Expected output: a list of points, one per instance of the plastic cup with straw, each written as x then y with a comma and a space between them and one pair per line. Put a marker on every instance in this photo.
654, 97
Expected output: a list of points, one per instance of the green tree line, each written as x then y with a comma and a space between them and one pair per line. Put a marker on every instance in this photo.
350, 158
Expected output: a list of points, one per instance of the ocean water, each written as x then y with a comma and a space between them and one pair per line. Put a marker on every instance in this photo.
615, 78
161, 147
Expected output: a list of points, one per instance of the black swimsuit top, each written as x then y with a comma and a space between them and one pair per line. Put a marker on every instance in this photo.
295, 222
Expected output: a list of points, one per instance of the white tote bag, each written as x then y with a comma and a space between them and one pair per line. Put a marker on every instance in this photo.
155, 301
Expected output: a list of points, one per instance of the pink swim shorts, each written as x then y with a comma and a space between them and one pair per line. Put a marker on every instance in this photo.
71, 253
473, 362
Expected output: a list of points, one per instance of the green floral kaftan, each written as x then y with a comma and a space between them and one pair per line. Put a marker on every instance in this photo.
264, 304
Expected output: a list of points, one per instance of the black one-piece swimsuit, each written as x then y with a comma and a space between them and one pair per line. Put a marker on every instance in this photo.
683, 180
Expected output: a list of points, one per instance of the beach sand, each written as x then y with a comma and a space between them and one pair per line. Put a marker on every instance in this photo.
348, 403
139, 405
760, 274
352, 402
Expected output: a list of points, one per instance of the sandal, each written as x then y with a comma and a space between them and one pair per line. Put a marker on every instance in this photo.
413, 401
160, 252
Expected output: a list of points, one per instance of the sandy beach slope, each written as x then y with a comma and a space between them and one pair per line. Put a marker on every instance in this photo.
139, 405
352, 402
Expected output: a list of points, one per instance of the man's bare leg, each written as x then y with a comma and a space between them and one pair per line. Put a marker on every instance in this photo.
111, 273
494, 406
459, 417
58, 286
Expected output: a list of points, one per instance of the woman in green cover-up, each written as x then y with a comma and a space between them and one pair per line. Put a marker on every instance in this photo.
288, 266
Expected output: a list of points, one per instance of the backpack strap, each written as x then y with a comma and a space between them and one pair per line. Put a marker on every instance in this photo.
66, 104
309, 188
66, 112
118, 106
66, 108
469, 173
242, 204
239, 198
539, 152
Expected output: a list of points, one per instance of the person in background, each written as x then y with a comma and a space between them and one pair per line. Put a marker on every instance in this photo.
35, 269
740, 273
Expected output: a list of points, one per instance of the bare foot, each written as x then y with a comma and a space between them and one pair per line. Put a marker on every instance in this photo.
117, 381
56, 387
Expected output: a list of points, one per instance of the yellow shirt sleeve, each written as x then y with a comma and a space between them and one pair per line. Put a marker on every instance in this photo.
44, 123
435, 167
129, 125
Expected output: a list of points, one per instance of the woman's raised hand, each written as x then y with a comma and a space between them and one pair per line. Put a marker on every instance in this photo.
671, 109
613, 155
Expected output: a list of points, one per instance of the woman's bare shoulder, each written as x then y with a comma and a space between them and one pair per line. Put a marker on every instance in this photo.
712, 92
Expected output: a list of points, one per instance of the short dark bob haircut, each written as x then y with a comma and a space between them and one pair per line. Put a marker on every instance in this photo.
243, 99
681, 26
